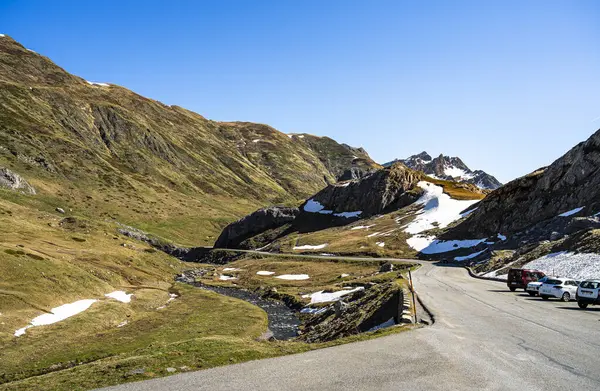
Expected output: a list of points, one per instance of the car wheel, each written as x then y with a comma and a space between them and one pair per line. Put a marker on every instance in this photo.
566, 296
582, 305
545, 297
531, 293
512, 289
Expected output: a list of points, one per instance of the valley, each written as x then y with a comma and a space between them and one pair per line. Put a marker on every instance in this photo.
140, 240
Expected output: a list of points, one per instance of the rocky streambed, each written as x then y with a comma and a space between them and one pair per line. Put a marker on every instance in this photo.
283, 322
376, 306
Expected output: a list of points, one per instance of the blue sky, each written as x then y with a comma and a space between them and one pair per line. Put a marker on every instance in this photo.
507, 85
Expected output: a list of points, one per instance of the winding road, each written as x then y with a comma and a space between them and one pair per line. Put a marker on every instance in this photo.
484, 338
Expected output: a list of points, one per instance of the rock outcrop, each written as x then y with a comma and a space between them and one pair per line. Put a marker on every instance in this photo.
570, 183
261, 220
13, 181
363, 311
379, 192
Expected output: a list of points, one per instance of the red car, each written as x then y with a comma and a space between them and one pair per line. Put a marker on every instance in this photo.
519, 278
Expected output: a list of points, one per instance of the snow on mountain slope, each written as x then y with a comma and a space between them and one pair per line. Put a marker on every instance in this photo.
581, 266
439, 210
449, 168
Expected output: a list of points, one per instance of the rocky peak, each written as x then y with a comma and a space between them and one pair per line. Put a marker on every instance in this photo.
449, 168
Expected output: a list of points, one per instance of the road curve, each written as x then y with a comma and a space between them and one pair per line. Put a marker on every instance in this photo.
484, 338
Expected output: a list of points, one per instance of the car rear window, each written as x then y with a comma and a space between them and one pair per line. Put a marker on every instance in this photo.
553, 282
590, 284
514, 272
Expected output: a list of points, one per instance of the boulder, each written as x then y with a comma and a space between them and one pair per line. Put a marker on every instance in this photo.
555, 236
386, 267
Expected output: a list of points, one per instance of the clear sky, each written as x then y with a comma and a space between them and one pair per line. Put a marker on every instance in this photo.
509, 86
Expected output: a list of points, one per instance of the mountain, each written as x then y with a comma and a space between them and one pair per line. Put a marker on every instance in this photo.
570, 183
449, 168
547, 220
104, 151
388, 199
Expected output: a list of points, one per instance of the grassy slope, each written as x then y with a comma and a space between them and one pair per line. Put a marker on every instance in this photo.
197, 330
384, 228
107, 152
324, 274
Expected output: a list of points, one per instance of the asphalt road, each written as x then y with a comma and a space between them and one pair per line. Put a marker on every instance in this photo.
484, 338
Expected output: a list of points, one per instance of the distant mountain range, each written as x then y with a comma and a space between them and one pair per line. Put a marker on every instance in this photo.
448, 168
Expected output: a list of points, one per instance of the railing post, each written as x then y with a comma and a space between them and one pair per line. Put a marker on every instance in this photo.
412, 291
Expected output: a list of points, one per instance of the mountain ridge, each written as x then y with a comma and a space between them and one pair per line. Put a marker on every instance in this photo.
103, 150
449, 168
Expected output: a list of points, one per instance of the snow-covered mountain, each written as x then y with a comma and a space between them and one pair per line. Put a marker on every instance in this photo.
449, 168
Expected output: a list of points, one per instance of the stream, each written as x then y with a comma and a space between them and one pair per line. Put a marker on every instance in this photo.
283, 322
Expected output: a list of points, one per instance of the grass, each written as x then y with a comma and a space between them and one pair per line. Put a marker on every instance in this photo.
345, 240
46, 261
323, 275
459, 191
107, 155
199, 329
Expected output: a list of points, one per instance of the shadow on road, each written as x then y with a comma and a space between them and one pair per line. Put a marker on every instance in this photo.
580, 309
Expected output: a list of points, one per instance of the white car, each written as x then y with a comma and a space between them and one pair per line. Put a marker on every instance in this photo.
561, 288
533, 288
588, 293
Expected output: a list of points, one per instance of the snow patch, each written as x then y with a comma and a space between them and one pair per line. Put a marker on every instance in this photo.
348, 215
439, 209
388, 323
57, 314
362, 227
501, 237
256, 140
494, 274
429, 245
231, 269
380, 244
293, 277
582, 266
224, 277
454, 172
419, 242
313, 206
120, 296
309, 247
465, 214
373, 234
123, 323
470, 256
324, 297
571, 212
93, 83
264, 273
